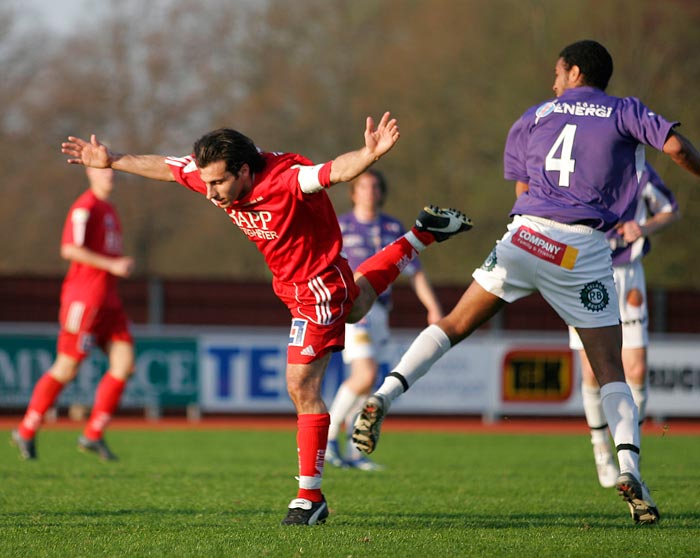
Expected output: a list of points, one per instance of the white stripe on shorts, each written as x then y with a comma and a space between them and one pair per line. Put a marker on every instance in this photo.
74, 317
323, 297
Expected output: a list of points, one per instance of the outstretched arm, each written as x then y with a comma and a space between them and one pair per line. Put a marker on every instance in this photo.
96, 154
682, 152
378, 141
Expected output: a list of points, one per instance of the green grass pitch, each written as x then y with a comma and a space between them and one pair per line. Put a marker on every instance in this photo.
212, 493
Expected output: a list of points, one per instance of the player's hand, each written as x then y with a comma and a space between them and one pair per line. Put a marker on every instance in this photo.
630, 231
380, 140
122, 266
90, 154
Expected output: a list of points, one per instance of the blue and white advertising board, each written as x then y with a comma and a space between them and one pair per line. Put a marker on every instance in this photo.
242, 370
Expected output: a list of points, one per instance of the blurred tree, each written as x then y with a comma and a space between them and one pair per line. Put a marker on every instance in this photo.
150, 77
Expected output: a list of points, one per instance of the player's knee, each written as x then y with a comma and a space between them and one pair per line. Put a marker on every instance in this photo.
297, 387
303, 396
121, 360
65, 368
64, 376
636, 373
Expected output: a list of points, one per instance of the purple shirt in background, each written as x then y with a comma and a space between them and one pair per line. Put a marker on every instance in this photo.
652, 197
581, 155
362, 240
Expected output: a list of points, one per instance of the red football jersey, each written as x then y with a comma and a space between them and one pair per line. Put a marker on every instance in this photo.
297, 233
93, 224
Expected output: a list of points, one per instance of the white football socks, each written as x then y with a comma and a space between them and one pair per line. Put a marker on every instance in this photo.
595, 418
593, 409
621, 414
418, 246
345, 401
640, 394
425, 350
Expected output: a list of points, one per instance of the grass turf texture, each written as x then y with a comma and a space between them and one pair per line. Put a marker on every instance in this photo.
223, 493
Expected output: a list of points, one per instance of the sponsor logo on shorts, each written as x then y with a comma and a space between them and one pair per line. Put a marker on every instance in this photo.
545, 248
491, 261
594, 296
308, 351
297, 332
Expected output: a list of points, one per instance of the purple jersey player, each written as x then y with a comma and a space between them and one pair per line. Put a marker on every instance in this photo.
653, 209
575, 161
580, 156
366, 230
364, 239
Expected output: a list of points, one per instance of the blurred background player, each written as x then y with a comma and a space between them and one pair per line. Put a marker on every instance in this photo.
279, 202
91, 314
653, 210
366, 230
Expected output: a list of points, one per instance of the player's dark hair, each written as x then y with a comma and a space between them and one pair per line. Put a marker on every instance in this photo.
593, 59
230, 146
381, 182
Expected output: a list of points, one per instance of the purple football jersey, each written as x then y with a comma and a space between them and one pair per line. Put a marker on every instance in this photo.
362, 240
581, 155
652, 197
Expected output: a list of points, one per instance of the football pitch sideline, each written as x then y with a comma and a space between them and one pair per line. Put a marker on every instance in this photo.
222, 493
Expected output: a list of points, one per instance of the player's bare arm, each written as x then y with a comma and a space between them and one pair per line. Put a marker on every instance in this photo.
631, 230
682, 152
426, 294
378, 141
120, 266
96, 154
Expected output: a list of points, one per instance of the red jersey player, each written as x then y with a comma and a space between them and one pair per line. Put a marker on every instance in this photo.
91, 314
279, 202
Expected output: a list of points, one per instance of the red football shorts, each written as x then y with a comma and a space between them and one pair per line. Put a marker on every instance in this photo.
319, 308
84, 327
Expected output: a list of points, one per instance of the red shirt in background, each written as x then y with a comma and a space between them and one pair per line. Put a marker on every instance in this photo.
93, 224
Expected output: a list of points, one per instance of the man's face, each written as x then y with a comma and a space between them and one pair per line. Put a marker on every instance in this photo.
101, 181
223, 188
366, 192
564, 79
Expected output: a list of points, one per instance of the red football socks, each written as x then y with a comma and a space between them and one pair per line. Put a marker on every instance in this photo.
107, 397
45, 393
382, 269
312, 437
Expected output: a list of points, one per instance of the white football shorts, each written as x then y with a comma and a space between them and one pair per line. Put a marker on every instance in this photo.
366, 338
570, 266
632, 294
